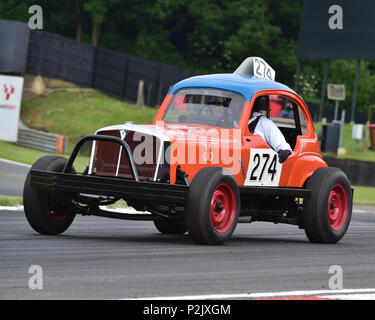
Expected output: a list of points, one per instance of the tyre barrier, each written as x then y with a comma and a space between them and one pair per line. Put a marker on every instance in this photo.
43, 141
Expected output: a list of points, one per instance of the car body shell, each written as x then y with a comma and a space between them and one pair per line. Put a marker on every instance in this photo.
306, 157
197, 195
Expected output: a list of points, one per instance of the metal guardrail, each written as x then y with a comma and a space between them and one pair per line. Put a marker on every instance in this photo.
40, 140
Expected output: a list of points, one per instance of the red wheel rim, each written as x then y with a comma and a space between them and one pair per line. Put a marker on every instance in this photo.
337, 207
56, 212
223, 208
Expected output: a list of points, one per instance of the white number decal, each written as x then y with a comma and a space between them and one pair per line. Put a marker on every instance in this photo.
262, 69
264, 168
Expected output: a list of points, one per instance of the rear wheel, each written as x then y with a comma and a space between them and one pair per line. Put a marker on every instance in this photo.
45, 210
168, 226
213, 206
327, 212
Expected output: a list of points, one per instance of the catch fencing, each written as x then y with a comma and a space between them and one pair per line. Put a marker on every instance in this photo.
55, 56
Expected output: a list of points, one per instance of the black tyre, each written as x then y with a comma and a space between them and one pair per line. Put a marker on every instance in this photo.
168, 226
44, 209
327, 212
213, 206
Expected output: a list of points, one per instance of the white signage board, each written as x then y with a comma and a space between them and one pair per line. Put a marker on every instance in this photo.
336, 92
10, 106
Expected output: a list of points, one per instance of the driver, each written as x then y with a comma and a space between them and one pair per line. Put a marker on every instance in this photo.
261, 125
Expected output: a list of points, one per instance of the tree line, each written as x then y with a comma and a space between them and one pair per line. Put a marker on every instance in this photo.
204, 35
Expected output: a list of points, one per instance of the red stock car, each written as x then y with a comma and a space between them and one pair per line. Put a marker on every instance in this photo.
198, 168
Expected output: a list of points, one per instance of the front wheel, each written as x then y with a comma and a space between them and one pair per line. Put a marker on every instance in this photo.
45, 210
213, 206
328, 210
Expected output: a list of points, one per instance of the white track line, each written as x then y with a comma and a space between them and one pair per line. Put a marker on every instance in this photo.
15, 163
338, 294
16, 208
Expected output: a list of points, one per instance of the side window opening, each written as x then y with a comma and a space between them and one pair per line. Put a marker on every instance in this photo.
287, 115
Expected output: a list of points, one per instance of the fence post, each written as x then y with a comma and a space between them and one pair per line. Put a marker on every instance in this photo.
158, 102
298, 75
60, 145
125, 78
42, 49
355, 91
141, 94
149, 91
323, 92
94, 68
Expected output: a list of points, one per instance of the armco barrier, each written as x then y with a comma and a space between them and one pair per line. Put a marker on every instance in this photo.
43, 141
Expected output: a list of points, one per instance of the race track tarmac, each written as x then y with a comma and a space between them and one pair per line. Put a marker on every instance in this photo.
100, 258
12, 178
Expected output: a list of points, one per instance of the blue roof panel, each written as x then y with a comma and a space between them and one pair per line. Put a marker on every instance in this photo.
246, 85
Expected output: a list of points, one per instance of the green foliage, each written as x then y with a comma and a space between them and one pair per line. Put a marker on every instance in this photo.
15, 10
343, 72
227, 31
308, 83
209, 36
98, 9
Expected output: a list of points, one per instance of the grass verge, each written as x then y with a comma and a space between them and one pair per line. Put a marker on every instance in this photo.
352, 147
364, 196
7, 201
10, 201
75, 114
11, 151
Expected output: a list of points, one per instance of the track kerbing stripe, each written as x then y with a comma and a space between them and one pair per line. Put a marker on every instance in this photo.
345, 294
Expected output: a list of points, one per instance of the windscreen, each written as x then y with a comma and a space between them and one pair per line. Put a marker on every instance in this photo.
218, 108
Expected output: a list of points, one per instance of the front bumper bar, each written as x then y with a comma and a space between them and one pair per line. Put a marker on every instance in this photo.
114, 187
108, 186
